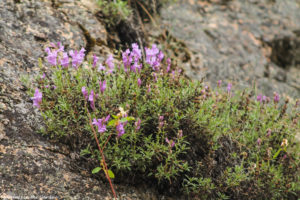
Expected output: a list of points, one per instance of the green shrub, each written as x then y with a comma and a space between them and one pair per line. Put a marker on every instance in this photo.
178, 134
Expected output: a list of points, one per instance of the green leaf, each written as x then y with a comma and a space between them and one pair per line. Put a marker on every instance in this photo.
110, 174
125, 119
129, 118
96, 170
277, 153
114, 116
112, 122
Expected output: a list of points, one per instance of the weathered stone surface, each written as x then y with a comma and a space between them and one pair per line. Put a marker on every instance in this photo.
240, 41
30, 166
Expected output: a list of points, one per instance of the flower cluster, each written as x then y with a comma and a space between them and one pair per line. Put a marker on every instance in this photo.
37, 98
56, 56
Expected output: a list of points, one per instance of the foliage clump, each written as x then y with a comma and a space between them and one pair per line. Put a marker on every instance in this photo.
155, 126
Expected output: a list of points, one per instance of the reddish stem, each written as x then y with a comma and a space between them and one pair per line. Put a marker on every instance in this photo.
102, 155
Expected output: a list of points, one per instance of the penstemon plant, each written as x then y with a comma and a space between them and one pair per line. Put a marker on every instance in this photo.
142, 119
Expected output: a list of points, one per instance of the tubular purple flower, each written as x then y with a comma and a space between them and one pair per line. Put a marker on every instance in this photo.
110, 64
37, 98
100, 124
134, 67
85, 93
173, 74
65, 60
169, 65
101, 68
137, 125
149, 88
95, 60
91, 100
77, 57
219, 83
160, 56
102, 86
172, 143
107, 118
264, 99
52, 56
276, 97
139, 82
120, 129
259, 141
229, 86
127, 59
136, 52
60, 47
259, 98
43, 76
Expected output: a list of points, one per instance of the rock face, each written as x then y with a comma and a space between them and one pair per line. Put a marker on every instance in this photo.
240, 41
30, 166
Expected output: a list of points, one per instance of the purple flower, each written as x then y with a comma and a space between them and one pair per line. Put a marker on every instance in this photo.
169, 65
102, 86
151, 57
95, 60
161, 118
219, 83
110, 64
136, 52
52, 56
85, 93
137, 125
100, 124
259, 141
127, 59
120, 129
229, 86
149, 88
91, 100
65, 60
139, 82
54, 87
101, 68
77, 57
276, 97
160, 122
173, 74
160, 56
172, 143
37, 98
259, 98
264, 99
134, 67
43, 76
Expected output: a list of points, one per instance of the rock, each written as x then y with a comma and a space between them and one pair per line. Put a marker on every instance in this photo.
244, 42
31, 166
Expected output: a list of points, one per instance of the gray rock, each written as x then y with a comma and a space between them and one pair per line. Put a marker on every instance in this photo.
244, 42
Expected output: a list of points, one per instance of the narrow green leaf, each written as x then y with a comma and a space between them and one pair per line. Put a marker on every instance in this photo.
110, 174
277, 153
96, 170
